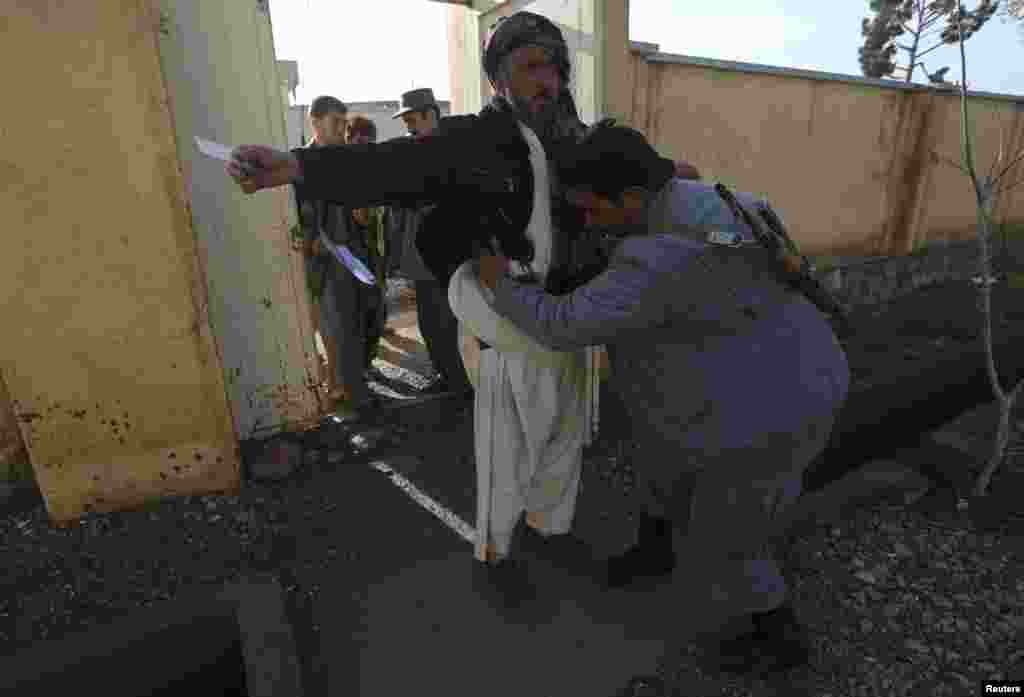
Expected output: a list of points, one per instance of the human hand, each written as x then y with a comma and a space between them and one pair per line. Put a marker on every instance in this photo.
490, 268
256, 167
684, 170
315, 248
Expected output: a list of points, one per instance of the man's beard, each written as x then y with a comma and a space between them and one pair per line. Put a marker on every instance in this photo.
543, 122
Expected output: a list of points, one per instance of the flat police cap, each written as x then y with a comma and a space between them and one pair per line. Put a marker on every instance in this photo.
414, 100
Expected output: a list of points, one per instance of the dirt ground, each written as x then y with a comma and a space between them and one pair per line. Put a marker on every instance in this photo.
900, 600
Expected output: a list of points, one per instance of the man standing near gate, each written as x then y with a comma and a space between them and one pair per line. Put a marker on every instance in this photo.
493, 181
421, 114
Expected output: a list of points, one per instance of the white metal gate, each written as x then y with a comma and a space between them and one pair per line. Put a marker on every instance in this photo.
221, 71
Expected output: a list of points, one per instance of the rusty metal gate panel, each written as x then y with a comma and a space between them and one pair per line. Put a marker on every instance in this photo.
221, 71
111, 369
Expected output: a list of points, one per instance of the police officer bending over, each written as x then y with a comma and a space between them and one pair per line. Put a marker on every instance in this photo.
732, 377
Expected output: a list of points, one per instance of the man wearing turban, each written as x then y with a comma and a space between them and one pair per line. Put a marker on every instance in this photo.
493, 181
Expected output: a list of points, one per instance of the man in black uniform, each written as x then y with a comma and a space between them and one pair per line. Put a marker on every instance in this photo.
421, 115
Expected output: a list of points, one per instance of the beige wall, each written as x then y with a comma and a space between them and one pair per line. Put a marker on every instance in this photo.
114, 371
849, 166
464, 67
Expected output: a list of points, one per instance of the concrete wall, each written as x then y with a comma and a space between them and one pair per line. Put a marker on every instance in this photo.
465, 69
113, 372
298, 130
852, 165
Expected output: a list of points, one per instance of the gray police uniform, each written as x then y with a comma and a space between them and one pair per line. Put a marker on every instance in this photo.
732, 381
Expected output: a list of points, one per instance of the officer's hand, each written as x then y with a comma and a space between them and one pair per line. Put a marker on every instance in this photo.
491, 268
256, 167
315, 248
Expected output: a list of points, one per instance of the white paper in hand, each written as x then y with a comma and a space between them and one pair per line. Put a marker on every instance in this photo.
219, 152
349, 260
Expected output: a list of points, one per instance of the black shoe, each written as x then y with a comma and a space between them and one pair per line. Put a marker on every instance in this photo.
566, 552
644, 686
374, 374
505, 585
437, 385
651, 557
778, 643
464, 391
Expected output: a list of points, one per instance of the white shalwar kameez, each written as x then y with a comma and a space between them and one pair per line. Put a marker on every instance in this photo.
534, 409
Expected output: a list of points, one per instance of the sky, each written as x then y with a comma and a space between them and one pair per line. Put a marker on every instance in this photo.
368, 51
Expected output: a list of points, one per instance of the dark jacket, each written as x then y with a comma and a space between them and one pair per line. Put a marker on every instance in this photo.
402, 229
475, 168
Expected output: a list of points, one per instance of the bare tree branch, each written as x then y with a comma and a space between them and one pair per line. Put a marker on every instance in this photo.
1004, 189
929, 50
1007, 168
951, 162
999, 156
933, 15
964, 121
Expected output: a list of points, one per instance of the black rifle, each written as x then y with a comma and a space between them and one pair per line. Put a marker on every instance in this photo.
794, 268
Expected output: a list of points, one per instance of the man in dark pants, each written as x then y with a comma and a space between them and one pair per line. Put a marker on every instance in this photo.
438, 326
326, 117
369, 225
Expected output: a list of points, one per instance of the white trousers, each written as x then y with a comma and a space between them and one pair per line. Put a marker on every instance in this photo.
531, 419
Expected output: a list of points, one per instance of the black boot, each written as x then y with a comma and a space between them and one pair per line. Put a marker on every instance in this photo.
505, 584
778, 643
567, 552
651, 556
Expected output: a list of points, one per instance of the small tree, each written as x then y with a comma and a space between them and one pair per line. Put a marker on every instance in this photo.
922, 20
984, 190
1014, 10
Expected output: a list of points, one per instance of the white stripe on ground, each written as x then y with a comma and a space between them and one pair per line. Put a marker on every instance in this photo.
461, 528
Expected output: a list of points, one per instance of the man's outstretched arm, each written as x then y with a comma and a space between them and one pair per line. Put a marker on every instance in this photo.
358, 176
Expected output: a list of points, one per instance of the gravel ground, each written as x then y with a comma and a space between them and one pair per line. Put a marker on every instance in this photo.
899, 600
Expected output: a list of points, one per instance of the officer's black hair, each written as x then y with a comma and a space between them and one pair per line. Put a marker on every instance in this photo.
611, 159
